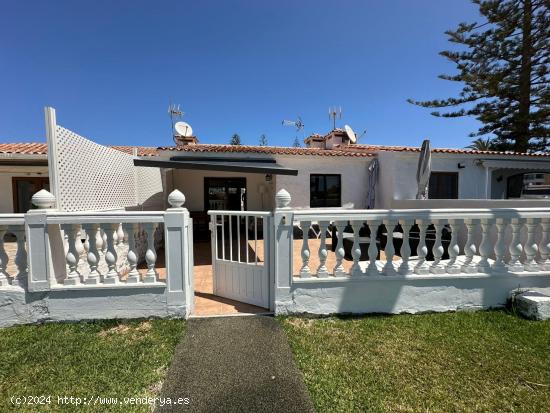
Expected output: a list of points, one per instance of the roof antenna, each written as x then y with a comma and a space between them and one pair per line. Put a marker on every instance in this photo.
298, 123
175, 113
333, 114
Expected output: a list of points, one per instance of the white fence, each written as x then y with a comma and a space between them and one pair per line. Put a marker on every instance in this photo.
68, 265
395, 261
291, 261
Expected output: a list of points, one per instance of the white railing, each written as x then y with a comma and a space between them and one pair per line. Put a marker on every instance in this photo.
107, 235
237, 236
423, 242
13, 275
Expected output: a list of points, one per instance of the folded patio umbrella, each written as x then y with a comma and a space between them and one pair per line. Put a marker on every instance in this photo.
373, 179
424, 170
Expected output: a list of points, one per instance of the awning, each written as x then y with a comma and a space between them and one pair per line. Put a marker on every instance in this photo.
516, 164
257, 166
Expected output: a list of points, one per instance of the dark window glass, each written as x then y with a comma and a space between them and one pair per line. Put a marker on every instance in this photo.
443, 185
24, 189
325, 191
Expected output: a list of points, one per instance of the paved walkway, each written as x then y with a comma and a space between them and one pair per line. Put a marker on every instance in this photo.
235, 364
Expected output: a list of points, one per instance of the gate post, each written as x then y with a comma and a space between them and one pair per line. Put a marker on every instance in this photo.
178, 249
282, 229
38, 251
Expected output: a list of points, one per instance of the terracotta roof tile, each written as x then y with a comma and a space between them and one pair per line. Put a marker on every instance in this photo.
272, 150
385, 148
24, 148
42, 149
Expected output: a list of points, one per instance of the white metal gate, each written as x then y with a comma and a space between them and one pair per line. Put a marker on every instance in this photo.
240, 255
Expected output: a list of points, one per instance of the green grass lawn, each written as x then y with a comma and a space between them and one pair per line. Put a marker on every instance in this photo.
107, 359
483, 361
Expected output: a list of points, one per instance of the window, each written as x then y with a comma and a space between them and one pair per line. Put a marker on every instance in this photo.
528, 185
443, 185
325, 191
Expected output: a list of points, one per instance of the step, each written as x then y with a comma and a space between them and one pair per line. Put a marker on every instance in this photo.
533, 305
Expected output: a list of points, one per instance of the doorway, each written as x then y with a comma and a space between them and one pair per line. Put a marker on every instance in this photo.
228, 194
23, 190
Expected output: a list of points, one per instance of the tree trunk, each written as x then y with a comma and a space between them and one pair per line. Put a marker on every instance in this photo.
524, 107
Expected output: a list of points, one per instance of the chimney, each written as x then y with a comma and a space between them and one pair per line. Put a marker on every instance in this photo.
186, 140
315, 141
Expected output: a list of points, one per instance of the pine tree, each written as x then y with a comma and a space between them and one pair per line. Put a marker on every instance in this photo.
263, 140
235, 140
504, 68
296, 143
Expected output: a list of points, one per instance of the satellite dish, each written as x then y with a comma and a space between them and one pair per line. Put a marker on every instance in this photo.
183, 129
350, 133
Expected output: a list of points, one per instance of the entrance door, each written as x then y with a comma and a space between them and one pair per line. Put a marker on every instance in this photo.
240, 255
228, 194
23, 190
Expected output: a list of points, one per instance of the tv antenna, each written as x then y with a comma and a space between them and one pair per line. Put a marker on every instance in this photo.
298, 123
333, 114
175, 113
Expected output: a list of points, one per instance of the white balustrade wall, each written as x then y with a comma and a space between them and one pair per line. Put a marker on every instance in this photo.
72, 265
395, 261
13, 255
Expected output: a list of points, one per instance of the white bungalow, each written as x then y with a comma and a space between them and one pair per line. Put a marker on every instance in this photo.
328, 172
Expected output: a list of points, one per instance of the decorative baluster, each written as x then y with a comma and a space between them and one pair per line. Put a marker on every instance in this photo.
92, 256
500, 248
389, 251
72, 257
531, 247
515, 248
437, 267
322, 271
372, 269
120, 235
422, 268
405, 268
340, 252
452, 267
111, 256
356, 249
151, 255
544, 246
4, 277
305, 271
103, 242
20, 257
469, 265
133, 274
485, 246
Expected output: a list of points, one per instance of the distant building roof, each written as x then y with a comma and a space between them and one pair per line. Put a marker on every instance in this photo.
356, 150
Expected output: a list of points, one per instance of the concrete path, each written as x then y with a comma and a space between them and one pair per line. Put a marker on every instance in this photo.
235, 364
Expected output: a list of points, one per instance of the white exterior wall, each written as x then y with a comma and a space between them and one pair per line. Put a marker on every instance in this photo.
191, 183
352, 169
6, 187
401, 169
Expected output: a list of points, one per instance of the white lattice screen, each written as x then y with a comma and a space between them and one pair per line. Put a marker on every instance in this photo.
90, 176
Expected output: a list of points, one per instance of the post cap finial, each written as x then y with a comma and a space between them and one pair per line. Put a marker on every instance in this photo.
176, 199
282, 199
43, 199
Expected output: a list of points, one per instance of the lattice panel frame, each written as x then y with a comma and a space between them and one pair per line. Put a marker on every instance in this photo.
90, 176
149, 189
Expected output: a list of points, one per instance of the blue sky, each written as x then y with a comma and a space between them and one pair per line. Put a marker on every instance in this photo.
111, 67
